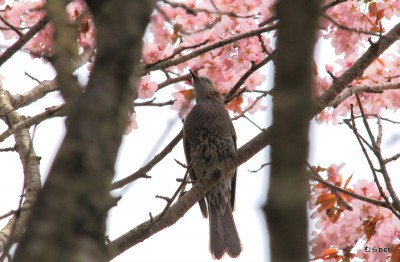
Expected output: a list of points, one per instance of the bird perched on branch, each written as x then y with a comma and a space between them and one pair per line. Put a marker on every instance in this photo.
208, 138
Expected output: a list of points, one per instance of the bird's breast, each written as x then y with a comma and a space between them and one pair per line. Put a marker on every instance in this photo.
207, 128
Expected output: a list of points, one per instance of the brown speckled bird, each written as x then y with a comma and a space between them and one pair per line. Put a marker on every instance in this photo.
208, 138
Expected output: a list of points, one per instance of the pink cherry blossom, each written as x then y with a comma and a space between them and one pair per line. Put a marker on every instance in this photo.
224, 27
181, 104
146, 87
256, 79
254, 107
183, 99
132, 124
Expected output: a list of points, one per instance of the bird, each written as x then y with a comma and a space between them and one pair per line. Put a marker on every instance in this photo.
209, 137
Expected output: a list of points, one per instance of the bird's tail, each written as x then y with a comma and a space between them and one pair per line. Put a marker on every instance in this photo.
223, 234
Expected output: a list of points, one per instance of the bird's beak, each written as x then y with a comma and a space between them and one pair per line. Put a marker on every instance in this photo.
194, 75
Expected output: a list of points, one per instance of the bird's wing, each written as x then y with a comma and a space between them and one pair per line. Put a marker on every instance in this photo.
233, 182
186, 149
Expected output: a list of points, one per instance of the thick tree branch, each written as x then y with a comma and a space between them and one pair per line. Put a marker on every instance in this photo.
39, 91
30, 163
372, 88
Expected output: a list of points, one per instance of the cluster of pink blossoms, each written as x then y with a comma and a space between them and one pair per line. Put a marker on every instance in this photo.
348, 26
365, 231
175, 28
24, 14
367, 20
191, 25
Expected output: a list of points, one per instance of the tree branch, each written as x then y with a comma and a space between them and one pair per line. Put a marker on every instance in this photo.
142, 172
246, 75
347, 192
377, 152
184, 58
23, 40
45, 87
372, 88
371, 165
30, 163
50, 112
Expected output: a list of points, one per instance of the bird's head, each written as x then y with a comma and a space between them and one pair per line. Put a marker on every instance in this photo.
203, 87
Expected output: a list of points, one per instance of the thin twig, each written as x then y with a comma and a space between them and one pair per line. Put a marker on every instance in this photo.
261, 167
195, 11
382, 164
348, 122
151, 103
23, 40
13, 28
253, 123
174, 80
372, 168
346, 28
349, 193
393, 158
178, 51
333, 190
248, 108
55, 111
7, 149
240, 82
141, 173
180, 188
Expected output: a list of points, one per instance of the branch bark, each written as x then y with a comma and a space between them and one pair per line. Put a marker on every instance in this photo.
372, 88
30, 163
